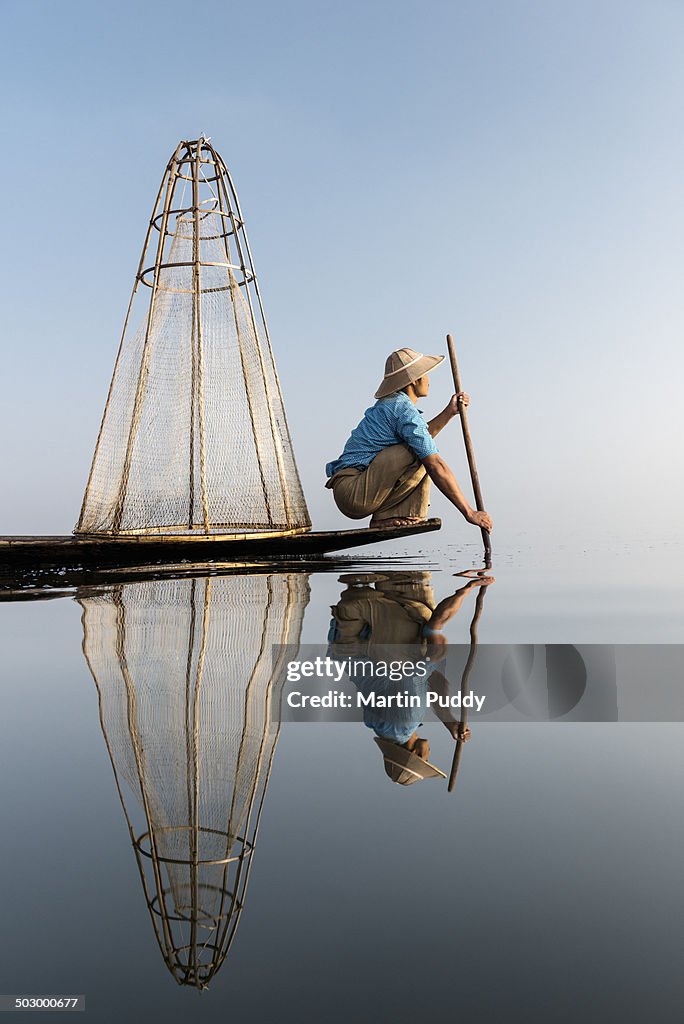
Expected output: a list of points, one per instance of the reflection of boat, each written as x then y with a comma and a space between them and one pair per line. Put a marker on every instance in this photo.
186, 681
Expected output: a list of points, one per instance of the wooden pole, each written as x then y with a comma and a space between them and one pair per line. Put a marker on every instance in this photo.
479, 503
460, 743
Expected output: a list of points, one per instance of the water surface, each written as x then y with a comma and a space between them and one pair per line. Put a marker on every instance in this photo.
138, 741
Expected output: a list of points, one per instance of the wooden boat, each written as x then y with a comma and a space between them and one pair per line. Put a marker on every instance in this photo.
205, 449
36, 553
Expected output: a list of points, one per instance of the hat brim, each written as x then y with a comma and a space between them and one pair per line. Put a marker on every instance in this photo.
406, 759
406, 375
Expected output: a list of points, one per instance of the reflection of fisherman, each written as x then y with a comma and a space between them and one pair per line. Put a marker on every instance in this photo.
399, 609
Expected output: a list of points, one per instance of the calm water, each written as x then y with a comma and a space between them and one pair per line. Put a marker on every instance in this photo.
137, 741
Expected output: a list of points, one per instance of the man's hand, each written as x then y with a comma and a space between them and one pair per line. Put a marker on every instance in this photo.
451, 409
481, 519
458, 731
456, 401
480, 581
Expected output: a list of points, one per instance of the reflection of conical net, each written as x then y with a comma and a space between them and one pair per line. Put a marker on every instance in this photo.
186, 682
194, 437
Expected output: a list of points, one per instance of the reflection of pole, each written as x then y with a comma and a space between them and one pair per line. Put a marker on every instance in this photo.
472, 654
469, 451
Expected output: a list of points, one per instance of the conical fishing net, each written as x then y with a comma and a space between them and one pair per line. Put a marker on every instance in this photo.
194, 437
187, 680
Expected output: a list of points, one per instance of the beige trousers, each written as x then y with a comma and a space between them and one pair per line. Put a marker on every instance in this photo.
394, 484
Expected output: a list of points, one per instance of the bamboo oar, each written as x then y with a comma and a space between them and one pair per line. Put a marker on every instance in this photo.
469, 452
460, 743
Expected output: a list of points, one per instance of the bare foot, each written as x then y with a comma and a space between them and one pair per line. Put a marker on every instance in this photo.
392, 524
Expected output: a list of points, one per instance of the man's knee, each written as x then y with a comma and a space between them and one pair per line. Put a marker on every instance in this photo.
347, 498
349, 510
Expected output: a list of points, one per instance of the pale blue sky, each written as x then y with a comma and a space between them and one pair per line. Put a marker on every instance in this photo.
509, 171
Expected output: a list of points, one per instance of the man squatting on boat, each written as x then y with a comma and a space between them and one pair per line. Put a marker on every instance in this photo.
391, 456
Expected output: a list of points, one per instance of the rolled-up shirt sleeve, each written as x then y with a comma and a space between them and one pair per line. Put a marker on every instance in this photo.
413, 430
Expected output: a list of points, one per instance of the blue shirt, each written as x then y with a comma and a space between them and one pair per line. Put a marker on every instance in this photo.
392, 420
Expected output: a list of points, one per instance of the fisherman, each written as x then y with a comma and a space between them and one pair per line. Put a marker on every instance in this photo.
391, 456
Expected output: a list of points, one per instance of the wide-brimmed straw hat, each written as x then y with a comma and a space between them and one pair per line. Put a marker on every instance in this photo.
403, 367
405, 767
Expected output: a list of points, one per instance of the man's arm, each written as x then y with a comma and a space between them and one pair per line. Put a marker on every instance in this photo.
448, 606
444, 479
440, 421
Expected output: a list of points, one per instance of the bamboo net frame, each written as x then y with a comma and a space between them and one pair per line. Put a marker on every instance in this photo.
186, 682
194, 437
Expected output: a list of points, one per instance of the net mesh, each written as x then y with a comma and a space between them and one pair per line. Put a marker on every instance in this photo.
186, 680
194, 436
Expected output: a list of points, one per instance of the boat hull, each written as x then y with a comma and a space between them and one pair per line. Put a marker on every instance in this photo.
90, 551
